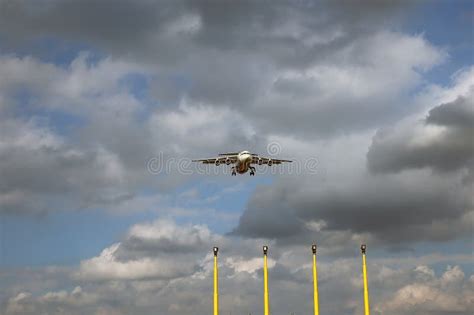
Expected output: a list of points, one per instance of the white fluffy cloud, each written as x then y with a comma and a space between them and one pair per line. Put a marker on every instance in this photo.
449, 294
107, 267
200, 127
160, 250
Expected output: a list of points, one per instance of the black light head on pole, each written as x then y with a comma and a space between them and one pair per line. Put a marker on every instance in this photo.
215, 250
313, 248
265, 249
363, 248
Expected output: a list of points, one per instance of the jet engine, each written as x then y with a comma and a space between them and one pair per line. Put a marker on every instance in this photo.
260, 162
227, 161
218, 162
270, 162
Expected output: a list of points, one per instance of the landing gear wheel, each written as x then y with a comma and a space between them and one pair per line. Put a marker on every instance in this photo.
252, 171
233, 172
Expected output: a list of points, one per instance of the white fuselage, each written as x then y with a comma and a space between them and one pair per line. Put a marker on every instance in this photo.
244, 159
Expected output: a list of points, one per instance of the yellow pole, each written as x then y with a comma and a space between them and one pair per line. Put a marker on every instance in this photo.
266, 308
366, 286
216, 282
315, 282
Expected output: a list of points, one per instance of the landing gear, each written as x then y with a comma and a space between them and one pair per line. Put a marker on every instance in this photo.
252, 171
234, 173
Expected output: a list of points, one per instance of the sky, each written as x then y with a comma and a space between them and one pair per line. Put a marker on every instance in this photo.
103, 104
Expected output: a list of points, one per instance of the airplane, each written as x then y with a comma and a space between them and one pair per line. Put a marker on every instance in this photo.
243, 161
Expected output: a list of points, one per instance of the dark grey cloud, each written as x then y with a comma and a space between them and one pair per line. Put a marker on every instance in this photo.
386, 209
226, 25
444, 141
114, 21
278, 220
459, 113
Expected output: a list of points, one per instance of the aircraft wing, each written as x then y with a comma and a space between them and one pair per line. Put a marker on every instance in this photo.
229, 154
264, 160
219, 160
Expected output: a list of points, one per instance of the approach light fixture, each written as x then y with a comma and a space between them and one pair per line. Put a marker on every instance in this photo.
265, 249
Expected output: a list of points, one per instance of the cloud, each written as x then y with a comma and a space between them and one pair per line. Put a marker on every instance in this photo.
398, 202
449, 294
200, 23
342, 93
39, 165
240, 103
77, 137
107, 267
53, 302
164, 250
396, 286
160, 250
165, 236
390, 210
194, 78
257, 58
191, 126
81, 137
71, 88
443, 141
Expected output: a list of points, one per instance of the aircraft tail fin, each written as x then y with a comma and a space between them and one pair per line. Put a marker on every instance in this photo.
234, 153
